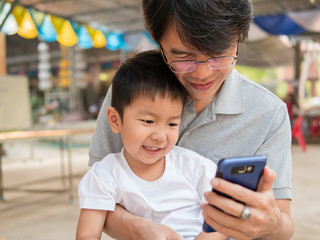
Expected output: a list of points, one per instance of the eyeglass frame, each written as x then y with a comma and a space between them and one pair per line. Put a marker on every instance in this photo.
205, 61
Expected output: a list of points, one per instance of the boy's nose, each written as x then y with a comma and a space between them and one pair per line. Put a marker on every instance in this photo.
159, 136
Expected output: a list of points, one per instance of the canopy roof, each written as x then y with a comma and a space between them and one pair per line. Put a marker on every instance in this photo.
298, 19
270, 7
126, 15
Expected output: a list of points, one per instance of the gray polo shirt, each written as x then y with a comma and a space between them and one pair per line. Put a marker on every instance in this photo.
245, 119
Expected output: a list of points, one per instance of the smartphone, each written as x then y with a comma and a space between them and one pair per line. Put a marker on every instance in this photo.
245, 171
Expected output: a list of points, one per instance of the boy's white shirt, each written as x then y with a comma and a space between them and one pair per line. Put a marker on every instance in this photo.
173, 199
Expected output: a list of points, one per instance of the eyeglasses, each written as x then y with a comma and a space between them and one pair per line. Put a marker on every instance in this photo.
186, 66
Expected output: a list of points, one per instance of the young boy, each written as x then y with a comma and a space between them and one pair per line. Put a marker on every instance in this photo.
151, 177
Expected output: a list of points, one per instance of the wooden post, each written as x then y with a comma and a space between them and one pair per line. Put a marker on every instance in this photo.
3, 62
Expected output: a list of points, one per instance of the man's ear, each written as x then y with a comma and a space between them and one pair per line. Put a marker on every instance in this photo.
114, 119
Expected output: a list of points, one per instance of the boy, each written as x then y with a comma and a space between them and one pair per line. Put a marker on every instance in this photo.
150, 177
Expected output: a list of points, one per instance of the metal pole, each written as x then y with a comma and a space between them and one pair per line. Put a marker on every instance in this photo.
69, 143
63, 175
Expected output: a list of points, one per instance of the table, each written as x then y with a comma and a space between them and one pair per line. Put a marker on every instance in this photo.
62, 134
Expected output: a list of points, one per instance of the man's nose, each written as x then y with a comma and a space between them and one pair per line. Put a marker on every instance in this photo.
202, 72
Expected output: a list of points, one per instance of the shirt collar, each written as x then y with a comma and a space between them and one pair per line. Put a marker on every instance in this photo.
228, 101
230, 98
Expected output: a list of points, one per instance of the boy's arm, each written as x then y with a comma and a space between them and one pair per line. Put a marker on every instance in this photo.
121, 224
90, 224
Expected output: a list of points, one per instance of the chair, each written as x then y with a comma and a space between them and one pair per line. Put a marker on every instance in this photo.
297, 132
315, 127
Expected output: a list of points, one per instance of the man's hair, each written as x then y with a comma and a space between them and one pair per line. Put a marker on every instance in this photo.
209, 26
145, 75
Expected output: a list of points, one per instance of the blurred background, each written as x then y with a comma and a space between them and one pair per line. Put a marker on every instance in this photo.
57, 60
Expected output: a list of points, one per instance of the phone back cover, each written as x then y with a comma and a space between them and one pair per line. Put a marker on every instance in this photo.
248, 180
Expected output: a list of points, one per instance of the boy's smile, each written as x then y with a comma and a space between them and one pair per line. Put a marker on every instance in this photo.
149, 130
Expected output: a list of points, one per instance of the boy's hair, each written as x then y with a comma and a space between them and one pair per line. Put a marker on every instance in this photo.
208, 26
147, 75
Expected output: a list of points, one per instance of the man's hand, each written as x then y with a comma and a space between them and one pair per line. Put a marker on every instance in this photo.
158, 231
121, 224
270, 218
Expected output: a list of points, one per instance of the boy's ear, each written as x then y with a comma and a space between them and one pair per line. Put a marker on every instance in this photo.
114, 119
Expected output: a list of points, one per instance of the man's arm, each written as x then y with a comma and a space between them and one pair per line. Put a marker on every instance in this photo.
211, 236
104, 140
121, 224
270, 218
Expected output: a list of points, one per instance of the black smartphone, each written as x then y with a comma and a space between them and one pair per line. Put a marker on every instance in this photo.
245, 171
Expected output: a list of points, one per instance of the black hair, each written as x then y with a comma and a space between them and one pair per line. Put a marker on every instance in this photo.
210, 26
147, 75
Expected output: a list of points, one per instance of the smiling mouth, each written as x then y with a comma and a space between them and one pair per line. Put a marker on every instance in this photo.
154, 149
202, 86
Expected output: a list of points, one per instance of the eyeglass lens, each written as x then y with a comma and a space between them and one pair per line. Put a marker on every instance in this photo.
222, 62
213, 63
186, 66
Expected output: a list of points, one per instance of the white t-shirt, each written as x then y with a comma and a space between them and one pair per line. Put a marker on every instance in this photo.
173, 199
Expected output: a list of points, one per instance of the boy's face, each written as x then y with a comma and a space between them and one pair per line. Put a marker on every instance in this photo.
149, 130
204, 83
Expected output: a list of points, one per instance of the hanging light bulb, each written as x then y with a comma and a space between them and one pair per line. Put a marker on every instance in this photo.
26, 27
46, 31
114, 41
99, 40
10, 26
66, 35
84, 39
42, 21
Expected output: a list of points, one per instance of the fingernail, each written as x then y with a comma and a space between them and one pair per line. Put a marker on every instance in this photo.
215, 182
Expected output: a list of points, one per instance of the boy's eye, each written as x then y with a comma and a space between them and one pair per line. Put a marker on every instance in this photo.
147, 121
173, 124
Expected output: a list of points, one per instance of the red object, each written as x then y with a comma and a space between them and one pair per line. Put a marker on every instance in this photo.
315, 127
290, 109
297, 132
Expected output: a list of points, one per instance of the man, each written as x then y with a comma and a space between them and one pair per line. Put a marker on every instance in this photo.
227, 115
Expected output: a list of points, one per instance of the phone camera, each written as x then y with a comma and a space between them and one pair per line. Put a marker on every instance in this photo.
242, 170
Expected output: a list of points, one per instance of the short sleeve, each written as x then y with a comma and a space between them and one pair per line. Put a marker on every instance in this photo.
97, 189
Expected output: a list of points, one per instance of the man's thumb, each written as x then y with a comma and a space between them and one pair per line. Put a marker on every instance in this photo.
268, 177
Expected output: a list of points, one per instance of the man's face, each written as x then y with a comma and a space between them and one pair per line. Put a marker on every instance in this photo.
203, 84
